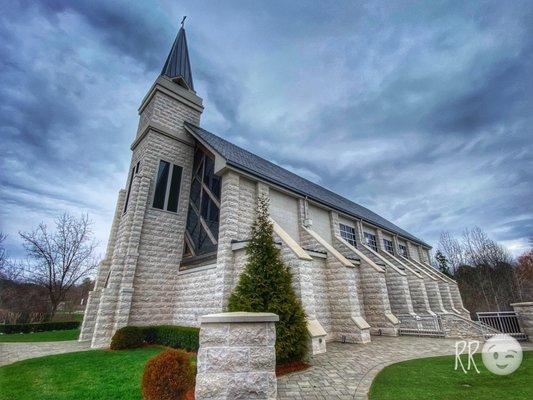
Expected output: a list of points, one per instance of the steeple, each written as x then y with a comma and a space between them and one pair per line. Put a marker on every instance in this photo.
177, 67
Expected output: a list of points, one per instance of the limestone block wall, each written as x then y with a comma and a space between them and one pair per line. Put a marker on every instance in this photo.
347, 318
145, 246
228, 232
399, 294
104, 270
457, 300
396, 280
321, 294
248, 192
525, 314
284, 210
89, 319
455, 326
446, 297
435, 300
196, 291
417, 288
413, 251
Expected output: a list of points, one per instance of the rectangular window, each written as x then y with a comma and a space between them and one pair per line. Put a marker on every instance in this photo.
348, 234
167, 187
403, 250
174, 193
389, 247
371, 241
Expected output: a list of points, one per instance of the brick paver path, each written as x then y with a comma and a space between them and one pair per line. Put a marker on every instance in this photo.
12, 352
346, 371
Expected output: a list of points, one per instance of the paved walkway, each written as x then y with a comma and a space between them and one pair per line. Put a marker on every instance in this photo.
12, 352
346, 371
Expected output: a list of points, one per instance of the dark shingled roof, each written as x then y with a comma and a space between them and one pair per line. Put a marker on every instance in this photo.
245, 161
177, 63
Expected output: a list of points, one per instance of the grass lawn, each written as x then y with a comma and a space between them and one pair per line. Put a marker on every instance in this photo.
49, 336
435, 378
96, 374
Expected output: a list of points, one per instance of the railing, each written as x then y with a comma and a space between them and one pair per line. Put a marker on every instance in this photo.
504, 321
420, 325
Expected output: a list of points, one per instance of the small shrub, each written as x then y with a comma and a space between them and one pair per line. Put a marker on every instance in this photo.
39, 327
177, 337
128, 337
168, 376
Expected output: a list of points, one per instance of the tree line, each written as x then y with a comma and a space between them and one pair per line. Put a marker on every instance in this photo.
489, 278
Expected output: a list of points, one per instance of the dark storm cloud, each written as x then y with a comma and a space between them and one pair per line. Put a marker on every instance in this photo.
420, 111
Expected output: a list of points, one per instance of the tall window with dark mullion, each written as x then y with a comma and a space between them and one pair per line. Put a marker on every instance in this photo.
167, 186
388, 246
348, 234
403, 250
371, 241
201, 235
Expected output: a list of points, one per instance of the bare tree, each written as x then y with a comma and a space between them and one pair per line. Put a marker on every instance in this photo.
3, 256
452, 249
60, 259
479, 249
9, 270
524, 276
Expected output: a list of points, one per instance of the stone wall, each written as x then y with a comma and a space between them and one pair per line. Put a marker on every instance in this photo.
455, 326
195, 295
236, 358
321, 294
525, 314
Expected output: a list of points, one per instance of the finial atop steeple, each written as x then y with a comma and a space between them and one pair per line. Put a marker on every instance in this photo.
177, 65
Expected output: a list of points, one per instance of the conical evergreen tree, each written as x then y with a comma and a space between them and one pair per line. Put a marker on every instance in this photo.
265, 286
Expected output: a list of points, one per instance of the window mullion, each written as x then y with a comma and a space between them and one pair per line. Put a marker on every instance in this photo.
167, 190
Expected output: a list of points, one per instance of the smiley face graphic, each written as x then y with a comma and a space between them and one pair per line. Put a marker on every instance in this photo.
502, 354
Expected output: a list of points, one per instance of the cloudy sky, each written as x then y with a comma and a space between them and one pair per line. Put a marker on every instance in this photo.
421, 111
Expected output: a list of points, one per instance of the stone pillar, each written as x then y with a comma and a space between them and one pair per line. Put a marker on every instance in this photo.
237, 359
228, 231
525, 315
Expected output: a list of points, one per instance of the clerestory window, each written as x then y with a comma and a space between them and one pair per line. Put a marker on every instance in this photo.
403, 250
389, 247
371, 241
348, 233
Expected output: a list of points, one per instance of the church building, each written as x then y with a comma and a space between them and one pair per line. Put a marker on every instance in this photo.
182, 222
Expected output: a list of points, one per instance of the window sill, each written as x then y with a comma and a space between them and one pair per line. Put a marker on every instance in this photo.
195, 262
165, 211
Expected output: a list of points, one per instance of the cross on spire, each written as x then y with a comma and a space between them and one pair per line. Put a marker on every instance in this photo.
177, 66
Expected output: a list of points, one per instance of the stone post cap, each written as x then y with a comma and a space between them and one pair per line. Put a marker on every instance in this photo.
527, 303
239, 316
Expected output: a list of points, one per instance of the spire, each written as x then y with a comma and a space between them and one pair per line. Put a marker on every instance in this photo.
177, 66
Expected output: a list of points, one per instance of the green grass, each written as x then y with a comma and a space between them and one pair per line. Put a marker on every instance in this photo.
91, 375
49, 336
435, 378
